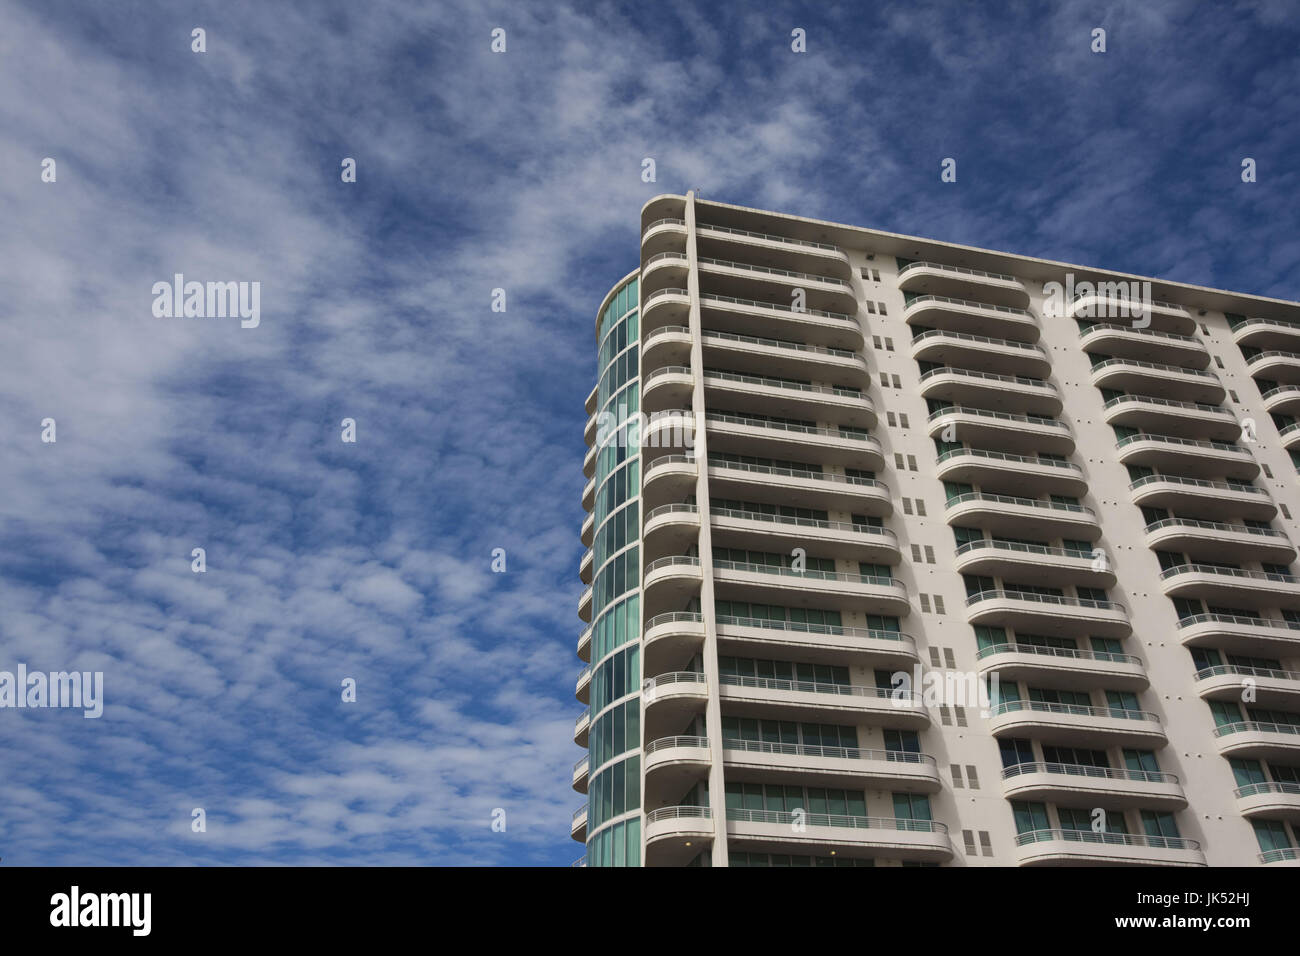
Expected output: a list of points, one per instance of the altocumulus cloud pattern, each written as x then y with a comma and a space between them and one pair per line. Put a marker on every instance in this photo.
367, 176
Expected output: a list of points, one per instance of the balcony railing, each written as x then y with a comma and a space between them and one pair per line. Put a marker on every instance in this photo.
671, 617
776, 343
1213, 526
848, 433
797, 473
981, 339
660, 292
755, 303
989, 377
848, 526
1196, 483
1151, 333
1229, 572
1070, 653
1024, 502
710, 374
1242, 670
1255, 726
1000, 416
1240, 619
1166, 403
1269, 786
668, 743
1184, 442
1086, 770
783, 273
1272, 354
1076, 710
815, 750
801, 627
807, 574
957, 269
1013, 595
678, 813
1004, 456
1280, 854
765, 235
836, 820
1154, 366
993, 544
1114, 839
682, 560
819, 687
970, 303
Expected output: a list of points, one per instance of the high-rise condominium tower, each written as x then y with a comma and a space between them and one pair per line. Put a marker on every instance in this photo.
909, 553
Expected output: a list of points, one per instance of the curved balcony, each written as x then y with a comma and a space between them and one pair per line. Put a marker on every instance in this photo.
674, 764
847, 836
994, 469
665, 347
581, 727
1211, 540
759, 531
1263, 741
669, 386
1047, 614
1081, 785
820, 702
589, 462
583, 685
815, 643
1016, 434
742, 434
1004, 393
584, 606
670, 701
1037, 564
1167, 381
1238, 634
672, 430
1074, 724
936, 278
578, 829
1231, 587
664, 271
670, 641
1283, 400
664, 307
752, 355
1160, 316
1267, 334
1277, 366
667, 584
589, 494
584, 644
669, 529
1084, 847
1203, 499
1269, 800
668, 478
590, 429
1184, 419
1001, 356
765, 249
1290, 436
760, 761
1063, 667
789, 399
588, 530
1272, 688
1282, 856
676, 835
590, 404
580, 772
1146, 345
774, 485
1008, 516
663, 235
977, 318
769, 584
1186, 456
584, 567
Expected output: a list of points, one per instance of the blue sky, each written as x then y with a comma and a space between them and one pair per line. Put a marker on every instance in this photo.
475, 171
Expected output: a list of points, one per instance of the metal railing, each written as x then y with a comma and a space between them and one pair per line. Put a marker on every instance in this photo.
1075, 710
1115, 327
1086, 770
765, 235
1155, 366
784, 383
1072, 653
989, 376
708, 297
678, 813
710, 334
1240, 619
756, 422
1213, 526
848, 526
808, 575
817, 750
1255, 726
678, 560
665, 743
981, 339
958, 269
1273, 354
1115, 839
1269, 786
1005, 456
1024, 502
670, 617
1229, 572
1198, 483
1242, 670
1184, 442
836, 820
797, 473
911, 698
994, 544
1169, 403
801, 627
996, 594
784, 273
969, 303
1001, 416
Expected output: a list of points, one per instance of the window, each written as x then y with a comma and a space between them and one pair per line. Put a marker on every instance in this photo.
912, 806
